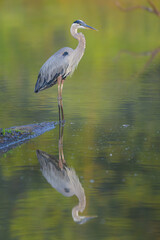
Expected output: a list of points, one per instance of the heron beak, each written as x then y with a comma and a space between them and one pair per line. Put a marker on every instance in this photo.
85, 219
89, 27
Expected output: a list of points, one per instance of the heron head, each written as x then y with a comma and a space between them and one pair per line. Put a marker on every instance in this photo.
80, 219
81, 24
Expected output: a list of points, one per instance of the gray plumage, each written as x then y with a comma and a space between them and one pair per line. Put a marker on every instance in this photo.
63, 62
65, 181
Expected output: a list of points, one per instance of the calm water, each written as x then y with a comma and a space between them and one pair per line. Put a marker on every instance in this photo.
111, 135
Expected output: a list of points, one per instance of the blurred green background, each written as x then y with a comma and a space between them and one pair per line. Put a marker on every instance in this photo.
111, 107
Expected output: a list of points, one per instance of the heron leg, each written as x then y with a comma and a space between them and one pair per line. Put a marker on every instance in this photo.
62, 113
59, 111
60, 146
60, 155
60, 103
62, 81
61, 137
60, 163
59, 80
63, 160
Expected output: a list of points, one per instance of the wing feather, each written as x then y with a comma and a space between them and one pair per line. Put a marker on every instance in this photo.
57, 65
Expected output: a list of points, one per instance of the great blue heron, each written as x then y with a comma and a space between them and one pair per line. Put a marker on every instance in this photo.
63, 179
63, 62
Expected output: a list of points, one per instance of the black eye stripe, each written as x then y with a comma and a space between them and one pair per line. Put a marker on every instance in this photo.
78, 22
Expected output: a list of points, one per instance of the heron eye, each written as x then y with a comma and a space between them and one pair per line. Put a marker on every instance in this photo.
67, 190
65, 54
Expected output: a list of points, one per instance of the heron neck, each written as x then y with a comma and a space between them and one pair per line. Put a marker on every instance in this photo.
82, 42
79, 51
79, 208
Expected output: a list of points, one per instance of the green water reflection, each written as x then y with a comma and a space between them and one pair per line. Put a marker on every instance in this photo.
63, 178
112, 130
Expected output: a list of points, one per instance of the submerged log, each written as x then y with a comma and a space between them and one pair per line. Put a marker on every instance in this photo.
14, 136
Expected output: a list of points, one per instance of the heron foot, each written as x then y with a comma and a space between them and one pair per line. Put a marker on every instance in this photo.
59, 97
62, 122
60, 164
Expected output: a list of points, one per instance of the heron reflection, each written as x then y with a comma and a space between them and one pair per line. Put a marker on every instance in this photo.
61, 113
63, 178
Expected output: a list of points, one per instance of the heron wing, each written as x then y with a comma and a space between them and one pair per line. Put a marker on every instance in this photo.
57, 65
58, 178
